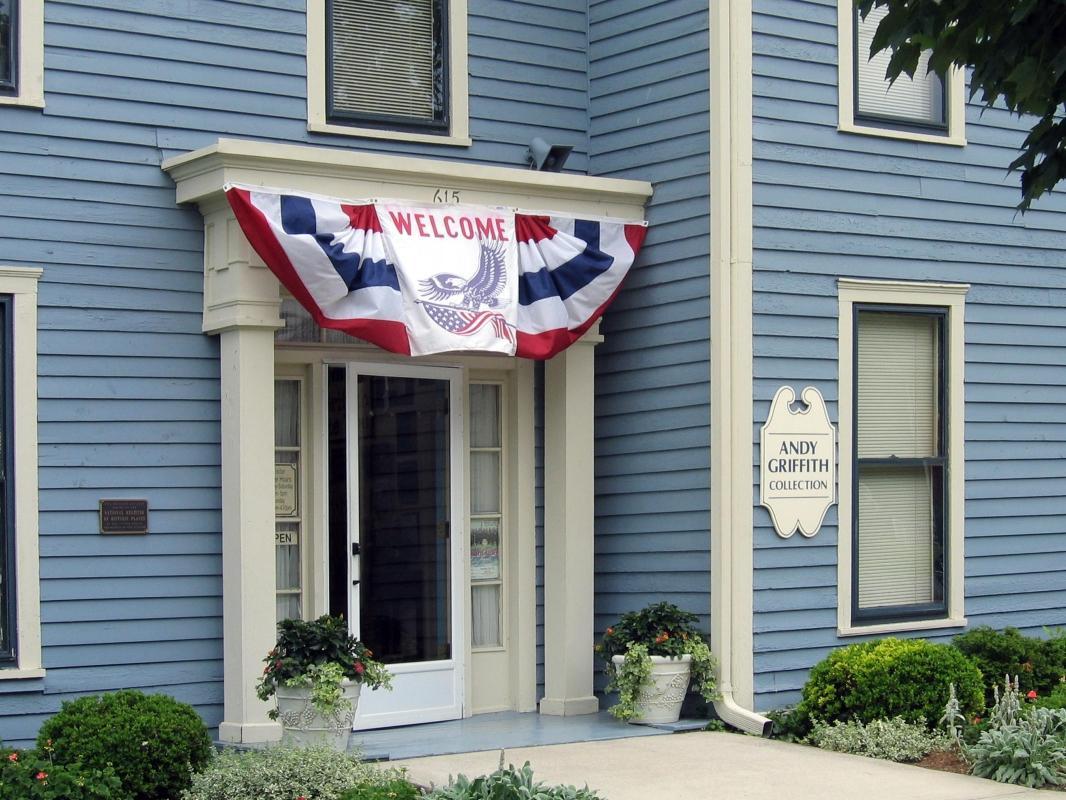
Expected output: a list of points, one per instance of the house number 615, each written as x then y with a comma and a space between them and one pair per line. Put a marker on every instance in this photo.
446, 196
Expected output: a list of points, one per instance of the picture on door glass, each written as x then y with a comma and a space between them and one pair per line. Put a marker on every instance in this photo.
485, 550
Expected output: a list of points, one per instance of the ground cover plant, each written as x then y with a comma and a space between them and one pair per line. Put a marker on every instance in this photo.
1030, 751
887, 678
889, 739
508, 783
285, 773
153, 742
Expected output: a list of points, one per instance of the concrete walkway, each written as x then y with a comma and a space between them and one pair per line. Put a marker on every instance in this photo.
720, 766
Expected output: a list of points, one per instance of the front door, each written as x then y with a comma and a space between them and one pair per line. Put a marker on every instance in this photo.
405, 569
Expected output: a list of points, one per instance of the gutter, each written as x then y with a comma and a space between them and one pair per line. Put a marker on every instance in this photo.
732, 449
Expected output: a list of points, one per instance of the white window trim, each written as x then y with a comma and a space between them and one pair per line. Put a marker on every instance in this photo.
31, 57
21, 284
458, 92
954, 87
951, 296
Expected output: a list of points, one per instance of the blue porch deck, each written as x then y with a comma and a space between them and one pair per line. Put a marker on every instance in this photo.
504, 730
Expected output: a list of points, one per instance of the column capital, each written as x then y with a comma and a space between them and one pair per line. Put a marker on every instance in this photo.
239, 289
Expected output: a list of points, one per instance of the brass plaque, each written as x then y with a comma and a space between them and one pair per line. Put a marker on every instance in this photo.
123, 516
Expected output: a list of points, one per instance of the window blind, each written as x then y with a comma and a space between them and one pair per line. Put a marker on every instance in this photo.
897, 375
384, 57
919, 99
895, 536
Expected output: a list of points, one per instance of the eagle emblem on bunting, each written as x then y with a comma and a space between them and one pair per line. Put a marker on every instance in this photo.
464, 305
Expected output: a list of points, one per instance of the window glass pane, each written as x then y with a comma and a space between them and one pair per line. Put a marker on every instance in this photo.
286, 413
919, 99
7, 549
898, 364
386, 58
288, 606
484, 549
299, 326
485, 482
7, 43
288, 555
897, 553
486, 608
484, 415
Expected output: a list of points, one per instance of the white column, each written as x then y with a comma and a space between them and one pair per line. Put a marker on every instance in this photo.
248, 604
241, 306
568, 532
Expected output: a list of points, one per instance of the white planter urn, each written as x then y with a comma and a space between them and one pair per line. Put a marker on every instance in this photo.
660, 701
304, 726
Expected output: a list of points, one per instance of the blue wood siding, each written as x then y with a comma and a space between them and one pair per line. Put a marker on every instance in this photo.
129, 391
648, 79
829, 204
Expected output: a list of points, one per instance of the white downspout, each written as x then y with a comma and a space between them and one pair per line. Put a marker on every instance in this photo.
732, 451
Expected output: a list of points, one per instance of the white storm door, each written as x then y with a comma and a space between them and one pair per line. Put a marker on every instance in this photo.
406, 526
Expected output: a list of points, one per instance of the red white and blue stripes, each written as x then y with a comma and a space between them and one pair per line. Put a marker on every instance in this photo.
333, 257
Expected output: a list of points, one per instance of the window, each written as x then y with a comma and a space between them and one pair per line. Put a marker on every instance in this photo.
928, 107
486, 514
288, 511
21, 53
20, 617
388, 69
901, 492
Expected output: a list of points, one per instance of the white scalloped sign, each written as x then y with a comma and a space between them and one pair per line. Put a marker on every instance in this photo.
797, 479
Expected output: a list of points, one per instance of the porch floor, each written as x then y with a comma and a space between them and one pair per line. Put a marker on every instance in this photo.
505, 730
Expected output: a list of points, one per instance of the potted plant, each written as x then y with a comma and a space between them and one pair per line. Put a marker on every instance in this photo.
316, 671
651, 656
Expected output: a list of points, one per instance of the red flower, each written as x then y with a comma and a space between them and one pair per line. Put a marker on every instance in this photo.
13, 757
976, 720
41, 776
359, 668
662, 637
1032, 694
609, 631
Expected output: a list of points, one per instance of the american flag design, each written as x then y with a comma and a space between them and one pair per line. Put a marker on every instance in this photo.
336, 258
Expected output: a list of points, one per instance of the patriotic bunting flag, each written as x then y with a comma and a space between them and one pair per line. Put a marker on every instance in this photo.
421, 279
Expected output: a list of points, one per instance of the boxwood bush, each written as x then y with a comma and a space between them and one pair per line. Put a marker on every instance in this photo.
886, 678
152, 741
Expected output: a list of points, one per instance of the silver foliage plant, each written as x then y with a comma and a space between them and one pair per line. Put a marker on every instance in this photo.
891, 739
508, 783
284, 773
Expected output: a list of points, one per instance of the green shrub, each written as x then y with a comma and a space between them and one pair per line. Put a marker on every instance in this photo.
153, 741
886, 678
890, 739
791, 724
29, 775
1031, 752
1038, 663
508, 783
284, 773
398, 789
1056, 698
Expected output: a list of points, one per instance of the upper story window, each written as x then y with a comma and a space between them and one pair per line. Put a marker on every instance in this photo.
21, 53
928, 107
917, 101
392, 69
387, 63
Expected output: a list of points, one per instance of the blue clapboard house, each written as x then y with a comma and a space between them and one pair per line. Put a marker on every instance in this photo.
188, 455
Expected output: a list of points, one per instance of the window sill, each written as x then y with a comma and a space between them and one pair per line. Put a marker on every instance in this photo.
400, 136
26, 100
909, 136
899, 627
21, 674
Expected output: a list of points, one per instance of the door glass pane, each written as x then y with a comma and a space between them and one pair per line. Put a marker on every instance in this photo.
484, 482
405, 581
486, 613
287, 511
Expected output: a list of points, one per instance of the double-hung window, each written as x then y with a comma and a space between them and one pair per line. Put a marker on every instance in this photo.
22, 53
901, 462
900, 453
388, 69
928, 107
